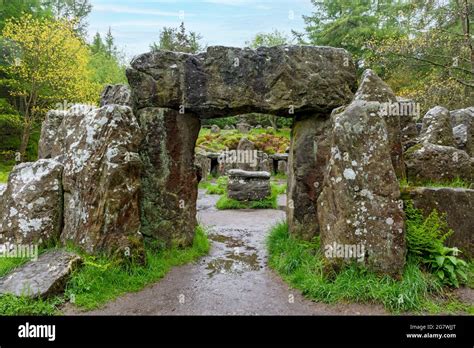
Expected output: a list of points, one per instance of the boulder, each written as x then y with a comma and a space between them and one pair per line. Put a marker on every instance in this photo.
463, 129
282, 167
204, 163
248, 186
116, 94
243, 128
226, 81
169, 180
247, 155
215, 129
372, 88
309, 153
101, 178
437, 163
31, 206
42, 278
436, 128
360, 207
457, 204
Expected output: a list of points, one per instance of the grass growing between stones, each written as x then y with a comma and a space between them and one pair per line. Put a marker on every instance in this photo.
100, 280
301, 264
268, 203
456, 183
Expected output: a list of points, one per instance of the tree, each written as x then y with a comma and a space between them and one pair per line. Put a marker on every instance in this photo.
110, 47
16, 8
75, 11
433, 62
51, 68
351, 24
275, 38
178, 40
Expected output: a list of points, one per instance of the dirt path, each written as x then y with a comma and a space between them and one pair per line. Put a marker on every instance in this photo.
232, 280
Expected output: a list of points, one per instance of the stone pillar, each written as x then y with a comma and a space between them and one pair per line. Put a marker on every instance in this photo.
169, 178
309, 152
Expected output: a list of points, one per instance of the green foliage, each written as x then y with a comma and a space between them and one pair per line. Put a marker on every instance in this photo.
266, 141
301, 264
217, 189
178, 40
274, 38
5, 170
458, 182
13, 305
425, 241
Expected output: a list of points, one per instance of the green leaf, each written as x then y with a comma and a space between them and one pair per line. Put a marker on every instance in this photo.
440, 260
453, 259
440, 274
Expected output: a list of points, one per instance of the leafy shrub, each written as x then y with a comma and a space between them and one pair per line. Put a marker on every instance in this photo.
425, 241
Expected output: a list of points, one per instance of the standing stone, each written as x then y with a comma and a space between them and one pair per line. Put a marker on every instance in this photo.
243, 128
309, 152
247, 155
215, 129
372, 88
102, 181
437, 127
360, 205
248, 186
282, 167
204, 163
31, 206
169, 181
116, 94
463, 129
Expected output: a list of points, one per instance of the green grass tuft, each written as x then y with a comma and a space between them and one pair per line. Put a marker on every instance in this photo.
100, 280
301, 264
268, 203
5, 169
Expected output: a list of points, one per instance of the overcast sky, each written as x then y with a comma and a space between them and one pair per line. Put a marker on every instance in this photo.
136, 23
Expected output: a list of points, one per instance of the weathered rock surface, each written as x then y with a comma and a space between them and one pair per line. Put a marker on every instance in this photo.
44, 277
243, 128
247, 154
116, 94
215, 129
203, 162
360, 203
437, 163
372, 88
248, 185
309, 153
463, 129
437, 127
457, 204
169, 180
50, 143
31, 206
227, 81
282, 167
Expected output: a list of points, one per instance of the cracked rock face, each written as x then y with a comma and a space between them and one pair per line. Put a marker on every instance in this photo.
101, 178
283, 80
359, 208
463, 129
31, 205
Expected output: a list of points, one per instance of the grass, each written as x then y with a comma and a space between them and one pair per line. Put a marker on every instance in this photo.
456, 183
100, 281
268, 203
5, 169
301, 264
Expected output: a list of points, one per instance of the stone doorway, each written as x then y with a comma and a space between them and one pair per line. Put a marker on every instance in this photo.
173, 92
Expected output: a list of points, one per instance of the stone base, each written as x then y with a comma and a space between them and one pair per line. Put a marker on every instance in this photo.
248, 186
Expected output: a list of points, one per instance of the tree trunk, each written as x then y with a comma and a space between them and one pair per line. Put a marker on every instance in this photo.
273, 121
25, 138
